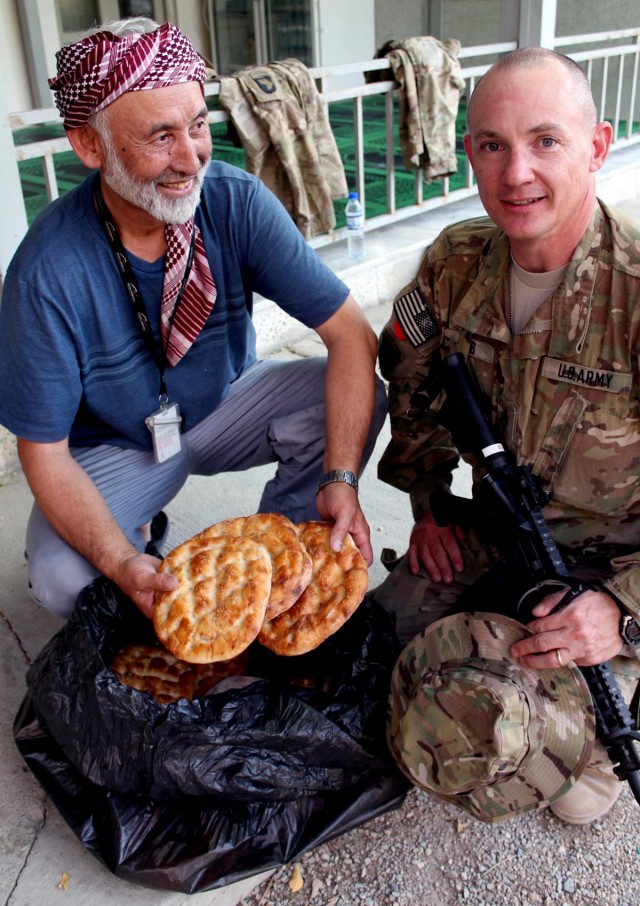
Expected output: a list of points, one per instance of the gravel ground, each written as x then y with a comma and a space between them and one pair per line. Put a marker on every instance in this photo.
428, 853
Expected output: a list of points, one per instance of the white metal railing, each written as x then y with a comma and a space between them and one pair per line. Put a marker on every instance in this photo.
389, 89
620, 55
599, 63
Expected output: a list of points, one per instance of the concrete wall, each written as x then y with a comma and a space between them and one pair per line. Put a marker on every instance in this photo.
400, 19
575, 17
475, 22
479, 21
470, 21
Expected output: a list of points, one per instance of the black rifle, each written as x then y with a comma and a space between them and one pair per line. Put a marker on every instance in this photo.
506, 513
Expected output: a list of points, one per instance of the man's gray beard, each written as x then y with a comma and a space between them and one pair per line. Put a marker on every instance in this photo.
145, 195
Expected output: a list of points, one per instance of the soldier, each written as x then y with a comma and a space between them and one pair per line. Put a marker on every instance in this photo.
128, 353
543, 300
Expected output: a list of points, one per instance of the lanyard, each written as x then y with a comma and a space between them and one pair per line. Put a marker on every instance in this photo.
133, 293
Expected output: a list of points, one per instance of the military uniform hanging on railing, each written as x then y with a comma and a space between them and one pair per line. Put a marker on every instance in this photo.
279, 116
431, 85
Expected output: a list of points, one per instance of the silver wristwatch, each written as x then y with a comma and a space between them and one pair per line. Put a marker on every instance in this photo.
338, 475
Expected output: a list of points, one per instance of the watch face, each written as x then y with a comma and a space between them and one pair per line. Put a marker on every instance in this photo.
630, 630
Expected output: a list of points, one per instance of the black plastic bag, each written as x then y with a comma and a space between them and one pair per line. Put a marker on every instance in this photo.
195, 795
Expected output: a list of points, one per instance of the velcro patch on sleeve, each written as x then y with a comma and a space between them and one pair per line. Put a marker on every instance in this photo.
390, 354
264, 86
416, 318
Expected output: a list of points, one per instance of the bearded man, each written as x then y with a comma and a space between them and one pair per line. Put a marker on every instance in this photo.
127, 349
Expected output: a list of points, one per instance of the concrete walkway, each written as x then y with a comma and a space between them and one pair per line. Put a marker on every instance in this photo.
36, 846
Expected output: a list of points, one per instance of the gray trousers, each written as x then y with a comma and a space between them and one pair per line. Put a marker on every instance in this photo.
274, 413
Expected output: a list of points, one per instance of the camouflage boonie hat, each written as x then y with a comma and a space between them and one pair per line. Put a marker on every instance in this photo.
470, 724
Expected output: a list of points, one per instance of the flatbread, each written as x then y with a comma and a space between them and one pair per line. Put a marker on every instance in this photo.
221, 599
154, 670
338, 585
290, 562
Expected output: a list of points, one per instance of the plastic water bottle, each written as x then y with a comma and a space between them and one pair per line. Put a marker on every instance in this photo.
355, 227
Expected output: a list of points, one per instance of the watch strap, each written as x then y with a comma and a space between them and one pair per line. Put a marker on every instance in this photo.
343, 475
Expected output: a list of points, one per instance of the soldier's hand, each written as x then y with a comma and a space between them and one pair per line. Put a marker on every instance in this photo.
585, 631
436, 549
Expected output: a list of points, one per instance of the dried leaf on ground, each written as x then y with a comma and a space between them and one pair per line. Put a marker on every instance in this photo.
296, 881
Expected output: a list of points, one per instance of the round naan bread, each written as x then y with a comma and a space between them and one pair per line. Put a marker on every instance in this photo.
221, 599
338, 585
291, 564
154, 670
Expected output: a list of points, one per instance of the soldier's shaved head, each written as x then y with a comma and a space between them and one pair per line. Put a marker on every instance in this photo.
535, 145
530, 57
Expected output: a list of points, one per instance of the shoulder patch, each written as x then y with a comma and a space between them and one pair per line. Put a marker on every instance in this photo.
389, 354
416, 318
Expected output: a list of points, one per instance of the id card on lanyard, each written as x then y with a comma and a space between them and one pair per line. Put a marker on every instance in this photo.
165, 424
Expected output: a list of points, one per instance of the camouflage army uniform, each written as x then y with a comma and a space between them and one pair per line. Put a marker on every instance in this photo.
287, 139
431, 84
564, 392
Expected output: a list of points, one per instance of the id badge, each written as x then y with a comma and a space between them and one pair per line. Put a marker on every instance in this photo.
165, 432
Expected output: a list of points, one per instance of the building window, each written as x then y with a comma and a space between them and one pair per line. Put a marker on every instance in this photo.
77, 15
136, 8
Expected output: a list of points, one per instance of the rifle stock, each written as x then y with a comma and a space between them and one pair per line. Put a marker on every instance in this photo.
506, 513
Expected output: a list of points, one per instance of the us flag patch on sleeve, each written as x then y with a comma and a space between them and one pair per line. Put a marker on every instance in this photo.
416, 318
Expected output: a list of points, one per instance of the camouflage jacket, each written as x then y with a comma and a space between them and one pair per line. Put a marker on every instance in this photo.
285, 132
564, 393
431, 83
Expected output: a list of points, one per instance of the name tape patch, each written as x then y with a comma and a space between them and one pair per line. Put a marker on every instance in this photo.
597, 378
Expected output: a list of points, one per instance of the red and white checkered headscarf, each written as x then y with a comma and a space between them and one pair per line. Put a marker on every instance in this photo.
94, 72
